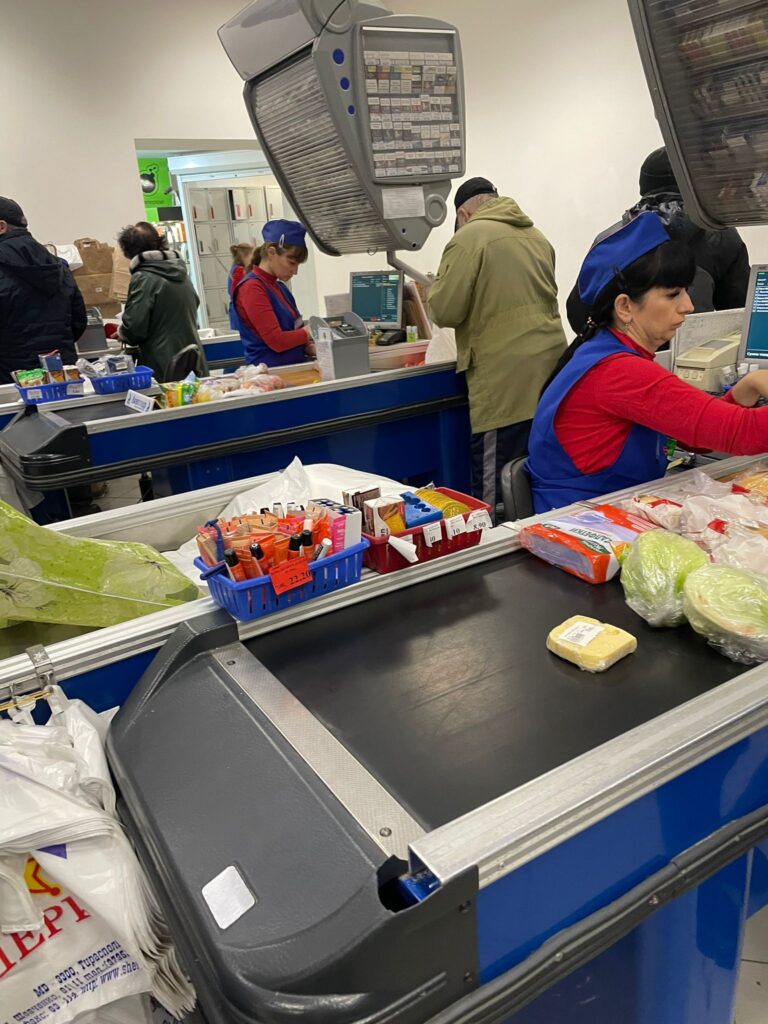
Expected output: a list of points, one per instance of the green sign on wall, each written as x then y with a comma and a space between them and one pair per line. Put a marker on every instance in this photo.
155, 182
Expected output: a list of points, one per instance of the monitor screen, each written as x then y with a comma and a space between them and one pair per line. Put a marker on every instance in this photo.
755, 335
377, 297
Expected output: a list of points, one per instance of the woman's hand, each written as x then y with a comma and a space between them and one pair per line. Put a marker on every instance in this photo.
751, 388
309, 346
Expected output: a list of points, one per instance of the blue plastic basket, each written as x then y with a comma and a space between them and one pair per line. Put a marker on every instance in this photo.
39, 393
114, 383
253, 599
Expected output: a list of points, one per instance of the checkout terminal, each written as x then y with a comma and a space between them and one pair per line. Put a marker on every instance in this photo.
754, 347
377, 298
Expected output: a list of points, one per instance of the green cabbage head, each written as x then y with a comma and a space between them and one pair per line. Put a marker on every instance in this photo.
653, 574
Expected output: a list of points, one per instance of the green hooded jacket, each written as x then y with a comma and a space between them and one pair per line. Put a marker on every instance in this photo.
160, 315
496, 287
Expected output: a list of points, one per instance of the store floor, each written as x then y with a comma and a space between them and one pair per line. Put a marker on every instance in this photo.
752, 997
121, 493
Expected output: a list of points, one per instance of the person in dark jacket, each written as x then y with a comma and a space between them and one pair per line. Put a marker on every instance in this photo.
41, 308
160, 315
722, 261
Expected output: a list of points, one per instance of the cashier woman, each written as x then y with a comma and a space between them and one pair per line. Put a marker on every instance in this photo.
607, 410
265, 311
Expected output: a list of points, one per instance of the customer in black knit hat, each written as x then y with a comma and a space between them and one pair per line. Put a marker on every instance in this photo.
722, 261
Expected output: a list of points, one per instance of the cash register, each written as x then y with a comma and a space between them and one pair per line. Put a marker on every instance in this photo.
707, 366
341, 345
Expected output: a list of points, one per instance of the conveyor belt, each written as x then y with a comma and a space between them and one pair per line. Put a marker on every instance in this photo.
88, 413
446, 692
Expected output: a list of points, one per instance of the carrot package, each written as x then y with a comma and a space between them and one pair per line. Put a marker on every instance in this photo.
588, 544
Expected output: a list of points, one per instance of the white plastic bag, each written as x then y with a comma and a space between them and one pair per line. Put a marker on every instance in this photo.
69, 252
442, 347
95, 932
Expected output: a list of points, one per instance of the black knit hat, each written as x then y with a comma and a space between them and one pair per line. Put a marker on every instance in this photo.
656, 174
470, 188
12, 213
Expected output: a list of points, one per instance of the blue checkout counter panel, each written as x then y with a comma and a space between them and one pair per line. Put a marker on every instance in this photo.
408, 424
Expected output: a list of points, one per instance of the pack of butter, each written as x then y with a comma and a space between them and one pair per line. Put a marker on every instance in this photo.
592, 645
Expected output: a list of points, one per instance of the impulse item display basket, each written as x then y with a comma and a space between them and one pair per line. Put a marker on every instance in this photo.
382, 557
40, 393
252, 599
114, 383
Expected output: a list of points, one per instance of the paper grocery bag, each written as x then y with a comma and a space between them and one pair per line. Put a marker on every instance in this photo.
96, 256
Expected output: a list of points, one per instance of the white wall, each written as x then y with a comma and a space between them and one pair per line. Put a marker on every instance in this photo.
558, 112
82, 79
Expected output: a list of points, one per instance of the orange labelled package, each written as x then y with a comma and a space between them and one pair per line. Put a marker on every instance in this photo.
588, 544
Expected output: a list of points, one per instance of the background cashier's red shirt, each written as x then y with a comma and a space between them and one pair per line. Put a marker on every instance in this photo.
254, 307
596, 416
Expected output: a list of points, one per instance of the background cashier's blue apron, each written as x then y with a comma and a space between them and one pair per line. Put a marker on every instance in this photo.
288, 317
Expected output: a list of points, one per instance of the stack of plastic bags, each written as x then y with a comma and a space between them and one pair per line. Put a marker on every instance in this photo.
81, 936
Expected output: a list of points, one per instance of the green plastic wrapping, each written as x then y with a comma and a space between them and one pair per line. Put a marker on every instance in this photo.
653, 573
729, 606
48, 577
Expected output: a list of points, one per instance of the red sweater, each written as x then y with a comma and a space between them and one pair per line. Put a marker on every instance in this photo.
255, 309
596, 416
238, 273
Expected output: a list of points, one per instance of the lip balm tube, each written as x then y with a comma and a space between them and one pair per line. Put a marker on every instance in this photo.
234, 568
245, 560
259, 559
322, 550
294, 546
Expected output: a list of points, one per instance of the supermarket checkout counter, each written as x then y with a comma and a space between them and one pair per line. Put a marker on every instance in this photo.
468, 828
407, 424
224, 352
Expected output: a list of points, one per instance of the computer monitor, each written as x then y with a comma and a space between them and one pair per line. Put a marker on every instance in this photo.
377, 298
754, 335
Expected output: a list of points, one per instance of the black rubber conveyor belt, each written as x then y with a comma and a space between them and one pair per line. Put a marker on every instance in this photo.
446, 692
97, 411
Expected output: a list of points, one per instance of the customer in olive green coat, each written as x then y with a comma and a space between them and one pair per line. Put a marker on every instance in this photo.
160, 315
496, 286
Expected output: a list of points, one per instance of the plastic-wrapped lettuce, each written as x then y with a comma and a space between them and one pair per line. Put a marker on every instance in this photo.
48, 577
729, 606
653, 573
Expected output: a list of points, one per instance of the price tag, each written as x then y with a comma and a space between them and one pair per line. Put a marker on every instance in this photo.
141, 403
478, 520
290, 575
455, 526
433, 533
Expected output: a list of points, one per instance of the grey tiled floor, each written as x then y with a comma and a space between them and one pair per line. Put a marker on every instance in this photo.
752, 999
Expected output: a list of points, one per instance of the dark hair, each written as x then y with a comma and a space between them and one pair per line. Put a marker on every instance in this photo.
669, 265
141, 237
296, 252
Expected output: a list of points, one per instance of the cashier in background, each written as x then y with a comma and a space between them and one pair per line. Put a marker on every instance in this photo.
607, 410
242, 254
266, 313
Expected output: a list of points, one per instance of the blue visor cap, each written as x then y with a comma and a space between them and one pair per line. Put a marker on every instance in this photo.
284, 232
612, 254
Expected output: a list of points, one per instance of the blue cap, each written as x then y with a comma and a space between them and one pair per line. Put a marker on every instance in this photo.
284, 232
612, 254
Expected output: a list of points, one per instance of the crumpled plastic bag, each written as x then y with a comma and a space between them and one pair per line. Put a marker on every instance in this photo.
743, 548
50, 577
94, 935
700, 513
729, 607
653, 573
